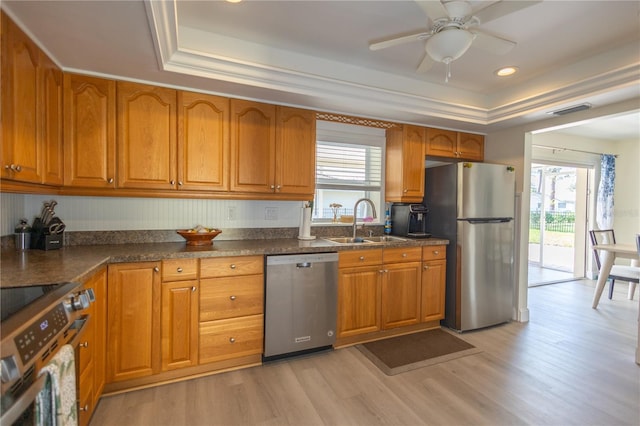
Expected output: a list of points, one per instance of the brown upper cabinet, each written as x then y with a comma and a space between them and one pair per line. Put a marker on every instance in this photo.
146, 136
203, 142
89, 131
31, 110
452, 144
405, 164
272, 149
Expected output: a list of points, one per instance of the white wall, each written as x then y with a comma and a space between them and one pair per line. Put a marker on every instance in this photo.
112, 213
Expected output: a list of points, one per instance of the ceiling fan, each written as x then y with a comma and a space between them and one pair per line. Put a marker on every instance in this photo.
454, 30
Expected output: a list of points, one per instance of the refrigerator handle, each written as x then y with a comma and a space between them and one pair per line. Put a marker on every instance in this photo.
496, 220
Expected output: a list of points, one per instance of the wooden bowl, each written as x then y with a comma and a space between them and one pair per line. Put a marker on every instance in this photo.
198, 238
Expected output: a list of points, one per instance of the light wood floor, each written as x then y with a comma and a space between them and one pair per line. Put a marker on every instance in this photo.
570, 365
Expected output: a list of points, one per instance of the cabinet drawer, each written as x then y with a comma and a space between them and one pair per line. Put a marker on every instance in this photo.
231, 266
230, 297
434, 252
230, 338
349, 259
179, 269
402, 254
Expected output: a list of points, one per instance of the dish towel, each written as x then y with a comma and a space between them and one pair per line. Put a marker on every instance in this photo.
56, 403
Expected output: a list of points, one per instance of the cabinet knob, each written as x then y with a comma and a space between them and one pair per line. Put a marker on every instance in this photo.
179, 183
436, 252
156, 269
404, 254
278, 187
361, 258
110, 180
179, 269
405, 190
83, 344
193, 289
272, 187
85, 408
425, 267
232, 266
232, 297
172, 182
232, 339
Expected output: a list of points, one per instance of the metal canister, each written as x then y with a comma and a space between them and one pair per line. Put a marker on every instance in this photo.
23, 235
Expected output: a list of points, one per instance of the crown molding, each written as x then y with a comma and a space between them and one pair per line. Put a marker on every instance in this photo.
188, 51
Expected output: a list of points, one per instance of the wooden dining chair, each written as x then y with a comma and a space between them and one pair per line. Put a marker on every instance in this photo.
618, 272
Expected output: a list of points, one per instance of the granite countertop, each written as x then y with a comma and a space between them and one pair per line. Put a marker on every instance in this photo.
77, 263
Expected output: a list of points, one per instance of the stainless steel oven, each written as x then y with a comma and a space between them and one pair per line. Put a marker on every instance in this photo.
36, 322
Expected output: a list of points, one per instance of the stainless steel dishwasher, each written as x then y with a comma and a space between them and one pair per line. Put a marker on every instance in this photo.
300, 303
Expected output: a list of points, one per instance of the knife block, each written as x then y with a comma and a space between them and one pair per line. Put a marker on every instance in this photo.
41, 238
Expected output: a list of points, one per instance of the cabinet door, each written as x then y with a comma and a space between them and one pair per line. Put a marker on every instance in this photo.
471, 146
203, 142
21, 148
252, 146
295, 151
51, 131
89, 131
401, 294
99, 285
147, 137
433, 290
404, 174
441, 143
413, 163
134, 320
179, 324
359, 300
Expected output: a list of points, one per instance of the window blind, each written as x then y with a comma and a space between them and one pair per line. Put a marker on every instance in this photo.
348, 166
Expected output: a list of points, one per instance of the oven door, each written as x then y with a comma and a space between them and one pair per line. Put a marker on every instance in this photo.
19, 402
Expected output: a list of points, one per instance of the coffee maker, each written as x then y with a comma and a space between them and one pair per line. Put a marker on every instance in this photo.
409, 220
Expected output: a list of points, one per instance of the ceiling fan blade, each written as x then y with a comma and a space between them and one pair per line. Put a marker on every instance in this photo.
433, 9
399, 40
425, 65
502, 8
492, 44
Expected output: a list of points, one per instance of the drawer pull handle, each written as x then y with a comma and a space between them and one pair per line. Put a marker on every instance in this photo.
84, 344
232, 298
232, 340
179, 269
232, 266
85, 408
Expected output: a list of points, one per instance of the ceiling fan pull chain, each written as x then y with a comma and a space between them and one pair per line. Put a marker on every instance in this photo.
448, 71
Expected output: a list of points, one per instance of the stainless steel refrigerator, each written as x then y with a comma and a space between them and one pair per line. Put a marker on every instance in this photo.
472, 205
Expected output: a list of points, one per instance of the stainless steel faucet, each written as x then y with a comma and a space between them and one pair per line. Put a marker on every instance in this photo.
355, 213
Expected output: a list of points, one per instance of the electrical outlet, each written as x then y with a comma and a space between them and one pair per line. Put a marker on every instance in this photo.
232, 213
271, 213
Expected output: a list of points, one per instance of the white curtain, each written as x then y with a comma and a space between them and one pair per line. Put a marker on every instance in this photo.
604, 208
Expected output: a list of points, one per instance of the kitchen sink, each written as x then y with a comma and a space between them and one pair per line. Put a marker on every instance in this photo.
348, 240
365, 240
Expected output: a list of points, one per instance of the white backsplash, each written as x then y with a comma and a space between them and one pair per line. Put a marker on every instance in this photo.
110, 213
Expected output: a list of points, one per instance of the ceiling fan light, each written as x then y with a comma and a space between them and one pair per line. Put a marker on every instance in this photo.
449, 45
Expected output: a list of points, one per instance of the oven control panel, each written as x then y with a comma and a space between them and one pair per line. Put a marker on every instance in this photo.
40, 332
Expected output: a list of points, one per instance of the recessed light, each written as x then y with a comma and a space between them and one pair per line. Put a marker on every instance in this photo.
506, 71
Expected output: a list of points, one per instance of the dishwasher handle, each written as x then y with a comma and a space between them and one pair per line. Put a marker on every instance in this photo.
303, 265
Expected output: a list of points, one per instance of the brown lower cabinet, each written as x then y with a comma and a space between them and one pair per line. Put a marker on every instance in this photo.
382, 292
91, 350
181, 318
